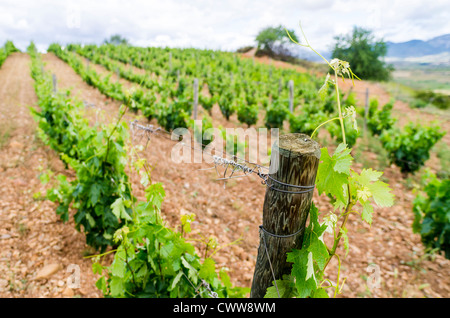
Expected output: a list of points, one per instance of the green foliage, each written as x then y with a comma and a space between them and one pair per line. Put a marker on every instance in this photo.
6, 50
175, 115
154, 261
228, 79
363, 52
380, 120
247, 112
410, 147
333, 172
351, 134
10, 47
207, 102
429, 97
276, 113
100, 192
227, 104
306, 122
151, 259
347, 188
203, 136
432, 214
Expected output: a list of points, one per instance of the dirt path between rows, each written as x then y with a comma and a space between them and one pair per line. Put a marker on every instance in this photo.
39, 255
32, 237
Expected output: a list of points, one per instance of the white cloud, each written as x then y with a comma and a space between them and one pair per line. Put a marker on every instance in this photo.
216, 24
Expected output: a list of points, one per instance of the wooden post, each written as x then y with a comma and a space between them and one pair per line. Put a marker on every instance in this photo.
170, 61
118, 74
291, 96
195, 97
366, 111
280, 86
54, 83
294, 161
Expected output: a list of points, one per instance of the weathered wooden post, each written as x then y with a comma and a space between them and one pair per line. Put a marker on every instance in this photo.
118, 74
195, 97
293, 167
366, 111
54, 83
291, 96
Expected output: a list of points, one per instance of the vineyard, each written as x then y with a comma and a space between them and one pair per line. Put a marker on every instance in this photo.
93, 205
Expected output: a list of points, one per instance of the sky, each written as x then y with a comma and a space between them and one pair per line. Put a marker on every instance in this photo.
220, 24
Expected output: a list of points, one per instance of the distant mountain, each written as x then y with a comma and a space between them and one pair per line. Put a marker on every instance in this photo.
418, 48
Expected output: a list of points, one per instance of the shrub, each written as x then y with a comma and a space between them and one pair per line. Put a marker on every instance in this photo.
226, 104
432, 215
276, 113
410, 148
207, 102
380, 120
306, 123
439, 100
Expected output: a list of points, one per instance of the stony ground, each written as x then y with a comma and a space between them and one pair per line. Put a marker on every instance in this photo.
42, 257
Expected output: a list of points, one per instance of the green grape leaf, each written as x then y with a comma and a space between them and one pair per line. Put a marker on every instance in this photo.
176, 280
90, 220
97, 268
381, 194
320, 293
94, 193
317, 248
367, 211
368, 185
117, 287
344, 236
101, 284
155, 194
299, 270
207, 270
310, 267
192, 272
333, 172
286, 288
118, 266
342, 159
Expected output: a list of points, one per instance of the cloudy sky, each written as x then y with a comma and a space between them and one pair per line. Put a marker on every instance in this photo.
219, 24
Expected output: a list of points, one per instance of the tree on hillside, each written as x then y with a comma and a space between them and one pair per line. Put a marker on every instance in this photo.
274, 41
116, 39
363, 53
